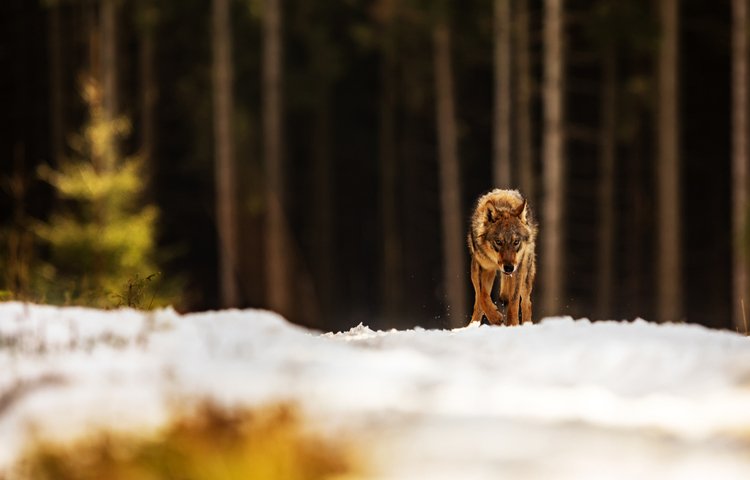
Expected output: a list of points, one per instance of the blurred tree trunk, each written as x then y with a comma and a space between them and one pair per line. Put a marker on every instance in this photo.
525, 143
224, 163
324, 69
669, 267
739, 164
501, 168
607, 155
552, 230
89, 12
392, 254
639, 215
57, 115
324, 206
109, 57
277, 246
19, 239
450, 191
149, 87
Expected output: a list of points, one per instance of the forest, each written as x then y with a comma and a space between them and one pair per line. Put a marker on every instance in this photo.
322, 158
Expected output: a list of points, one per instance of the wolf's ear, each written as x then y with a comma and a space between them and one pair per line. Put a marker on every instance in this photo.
491, 211
520, 212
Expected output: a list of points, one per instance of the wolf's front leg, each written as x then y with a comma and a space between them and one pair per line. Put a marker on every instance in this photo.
511, 314
476, 315
526, 299
509, 294
526, 308
487, 279
527, 284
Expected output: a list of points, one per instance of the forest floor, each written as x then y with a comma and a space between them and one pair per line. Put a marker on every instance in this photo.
560, 399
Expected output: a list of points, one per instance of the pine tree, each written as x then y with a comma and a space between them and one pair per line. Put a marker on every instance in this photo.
101, 236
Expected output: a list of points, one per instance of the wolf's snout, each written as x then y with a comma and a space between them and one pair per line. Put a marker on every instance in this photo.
509, 268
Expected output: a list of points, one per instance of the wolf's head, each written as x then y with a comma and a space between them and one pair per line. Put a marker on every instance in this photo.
507, 232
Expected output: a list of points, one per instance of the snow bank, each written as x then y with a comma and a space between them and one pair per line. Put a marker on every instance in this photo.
562, 399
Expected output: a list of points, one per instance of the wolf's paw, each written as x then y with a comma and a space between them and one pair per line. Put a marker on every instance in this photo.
494, 317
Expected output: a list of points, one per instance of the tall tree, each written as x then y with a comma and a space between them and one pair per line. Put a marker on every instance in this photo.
669, 267
148, 15
607, 153
90, 13
501, 168
324, 201
524, 87
553, 233
392, 256
57, 115
109, 57
224, 163
326, 69
18, 239
277, 269
739, 163
454, 268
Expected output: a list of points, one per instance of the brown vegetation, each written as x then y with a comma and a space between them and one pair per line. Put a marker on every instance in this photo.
270, 443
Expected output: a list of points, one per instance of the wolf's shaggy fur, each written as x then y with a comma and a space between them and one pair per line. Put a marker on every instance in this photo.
502, 239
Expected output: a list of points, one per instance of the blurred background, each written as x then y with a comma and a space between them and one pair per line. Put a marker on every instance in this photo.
322, 158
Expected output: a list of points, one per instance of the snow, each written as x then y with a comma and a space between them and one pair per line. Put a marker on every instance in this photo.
561, 399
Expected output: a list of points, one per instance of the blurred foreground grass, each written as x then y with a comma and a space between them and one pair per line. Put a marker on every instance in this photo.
270, 443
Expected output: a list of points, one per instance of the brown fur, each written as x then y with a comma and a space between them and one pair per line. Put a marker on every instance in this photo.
503, 233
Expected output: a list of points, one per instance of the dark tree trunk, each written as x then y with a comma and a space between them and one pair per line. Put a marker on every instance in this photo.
224, 175
324, 204
607, 154
552, 231
149, 89
525, 143
740, 159
277, 243
669, 266
392, 255
57, 109
502, 168
450, 191
109, 57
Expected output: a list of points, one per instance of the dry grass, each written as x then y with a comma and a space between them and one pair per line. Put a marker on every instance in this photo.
214, 444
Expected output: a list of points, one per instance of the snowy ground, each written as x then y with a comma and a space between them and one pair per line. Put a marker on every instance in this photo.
561, 399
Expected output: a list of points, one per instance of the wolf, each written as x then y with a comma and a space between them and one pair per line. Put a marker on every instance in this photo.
502, 237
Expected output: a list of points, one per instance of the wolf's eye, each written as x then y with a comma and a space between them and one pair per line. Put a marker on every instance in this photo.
516, 242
